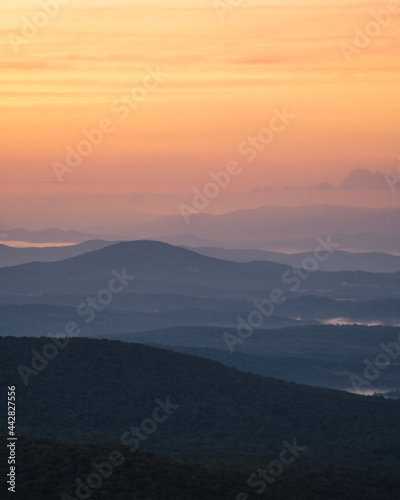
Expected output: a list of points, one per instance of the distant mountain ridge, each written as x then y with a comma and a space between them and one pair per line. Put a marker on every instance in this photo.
53, 235
340, 261
12, 256
267, 227
159, 267
376, 262
277, 222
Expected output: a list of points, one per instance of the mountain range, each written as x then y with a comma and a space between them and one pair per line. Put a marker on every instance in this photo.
377, 262
339, 261
274, 228
159, 267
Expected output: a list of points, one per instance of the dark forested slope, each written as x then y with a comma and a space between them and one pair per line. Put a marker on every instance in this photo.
96, 390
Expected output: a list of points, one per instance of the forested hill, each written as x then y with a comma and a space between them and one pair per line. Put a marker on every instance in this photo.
95, 390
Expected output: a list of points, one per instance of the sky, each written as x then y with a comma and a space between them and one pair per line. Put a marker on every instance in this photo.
169, 91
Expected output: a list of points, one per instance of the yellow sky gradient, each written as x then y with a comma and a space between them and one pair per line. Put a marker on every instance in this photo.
225, 78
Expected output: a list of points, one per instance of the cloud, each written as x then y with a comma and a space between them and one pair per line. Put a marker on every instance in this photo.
359, 178
262, 189
320, 187
362, 178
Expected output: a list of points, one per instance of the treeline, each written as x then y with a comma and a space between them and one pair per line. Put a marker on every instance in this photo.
50, 470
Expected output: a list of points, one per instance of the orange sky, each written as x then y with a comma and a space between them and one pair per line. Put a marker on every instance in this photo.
225, 77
